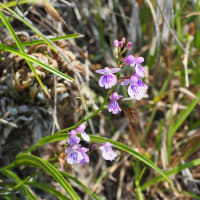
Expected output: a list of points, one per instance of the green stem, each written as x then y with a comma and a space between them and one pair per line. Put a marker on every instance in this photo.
84, 119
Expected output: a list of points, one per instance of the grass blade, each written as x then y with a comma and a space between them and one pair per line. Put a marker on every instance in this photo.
173, 171
182, 117
16, 179
36, 42
47, 167
193, 196
81, 185
14, 3
47, 188
30, 58
29, 25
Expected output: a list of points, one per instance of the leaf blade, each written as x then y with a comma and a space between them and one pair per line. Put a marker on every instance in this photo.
31, 59
46, 166
47, 188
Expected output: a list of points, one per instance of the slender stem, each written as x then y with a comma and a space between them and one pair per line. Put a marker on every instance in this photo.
84, 119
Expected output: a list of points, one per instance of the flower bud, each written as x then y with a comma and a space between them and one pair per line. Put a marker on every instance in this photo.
129, 45
116, 43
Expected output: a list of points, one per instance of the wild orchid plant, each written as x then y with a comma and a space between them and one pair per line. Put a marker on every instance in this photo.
77, 154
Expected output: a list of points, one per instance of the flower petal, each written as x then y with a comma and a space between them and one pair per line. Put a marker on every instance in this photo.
115, 96
139, 71
125, 82
137, 91
114, 107
85, 136
81, 128
109, 155
85, 159
130, 60
116, 43
74, 157
107, 152
111, 80
115, 70
72, 140
102, 80
134, 79
139, 60
100, 71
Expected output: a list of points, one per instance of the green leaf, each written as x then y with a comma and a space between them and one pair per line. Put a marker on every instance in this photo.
30, 58
182, 117
9, 197
14, 3
97, 139
54, 39
16, 179
193, 196
173, 171
47, 188
47, 140
32, 160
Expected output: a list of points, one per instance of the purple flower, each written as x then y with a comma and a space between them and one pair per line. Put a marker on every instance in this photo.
136, 62
108, 79
107, 152
74, 156
114, 106
84, 135
73, 139
77, 155
137, 88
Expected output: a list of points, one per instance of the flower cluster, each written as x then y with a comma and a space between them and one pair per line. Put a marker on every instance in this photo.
136, 87
77, 154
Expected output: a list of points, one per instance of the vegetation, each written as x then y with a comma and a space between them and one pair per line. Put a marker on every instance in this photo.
145, 147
